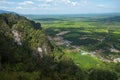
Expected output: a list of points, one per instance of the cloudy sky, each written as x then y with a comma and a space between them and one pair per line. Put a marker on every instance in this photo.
60, 6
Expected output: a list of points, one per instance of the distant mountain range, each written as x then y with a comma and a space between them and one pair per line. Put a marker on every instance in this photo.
4, 11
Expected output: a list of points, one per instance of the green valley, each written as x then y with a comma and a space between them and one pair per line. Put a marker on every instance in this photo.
97, 33
59, 39
59, 47
91, 41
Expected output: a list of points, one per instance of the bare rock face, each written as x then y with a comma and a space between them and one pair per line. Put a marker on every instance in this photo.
17, 36
27, 34
39, 49
44, 49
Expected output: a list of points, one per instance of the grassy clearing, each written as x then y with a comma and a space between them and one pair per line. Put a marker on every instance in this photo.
85, 61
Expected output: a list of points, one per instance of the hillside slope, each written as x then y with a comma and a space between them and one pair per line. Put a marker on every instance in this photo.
24, 32
27, 54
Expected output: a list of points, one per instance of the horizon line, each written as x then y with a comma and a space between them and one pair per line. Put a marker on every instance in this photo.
72, 13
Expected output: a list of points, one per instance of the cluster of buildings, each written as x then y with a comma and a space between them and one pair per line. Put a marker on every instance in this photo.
60, 41
116, 60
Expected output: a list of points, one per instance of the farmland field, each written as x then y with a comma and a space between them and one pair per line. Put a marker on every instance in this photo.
99, 33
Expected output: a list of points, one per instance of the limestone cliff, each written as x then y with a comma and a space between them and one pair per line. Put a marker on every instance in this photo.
24, 33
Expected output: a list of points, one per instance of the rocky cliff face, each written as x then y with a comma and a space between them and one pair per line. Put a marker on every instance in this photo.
24, 33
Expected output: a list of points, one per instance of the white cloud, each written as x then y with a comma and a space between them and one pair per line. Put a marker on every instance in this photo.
68, 2
6, 2
85, 2
73, 3
19, 7
44, 5
101, 6
3, 7
26, 3
48, 1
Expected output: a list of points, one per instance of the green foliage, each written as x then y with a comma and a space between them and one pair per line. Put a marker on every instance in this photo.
22, 62
96, 74
85, 61
93, 33
10, 75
